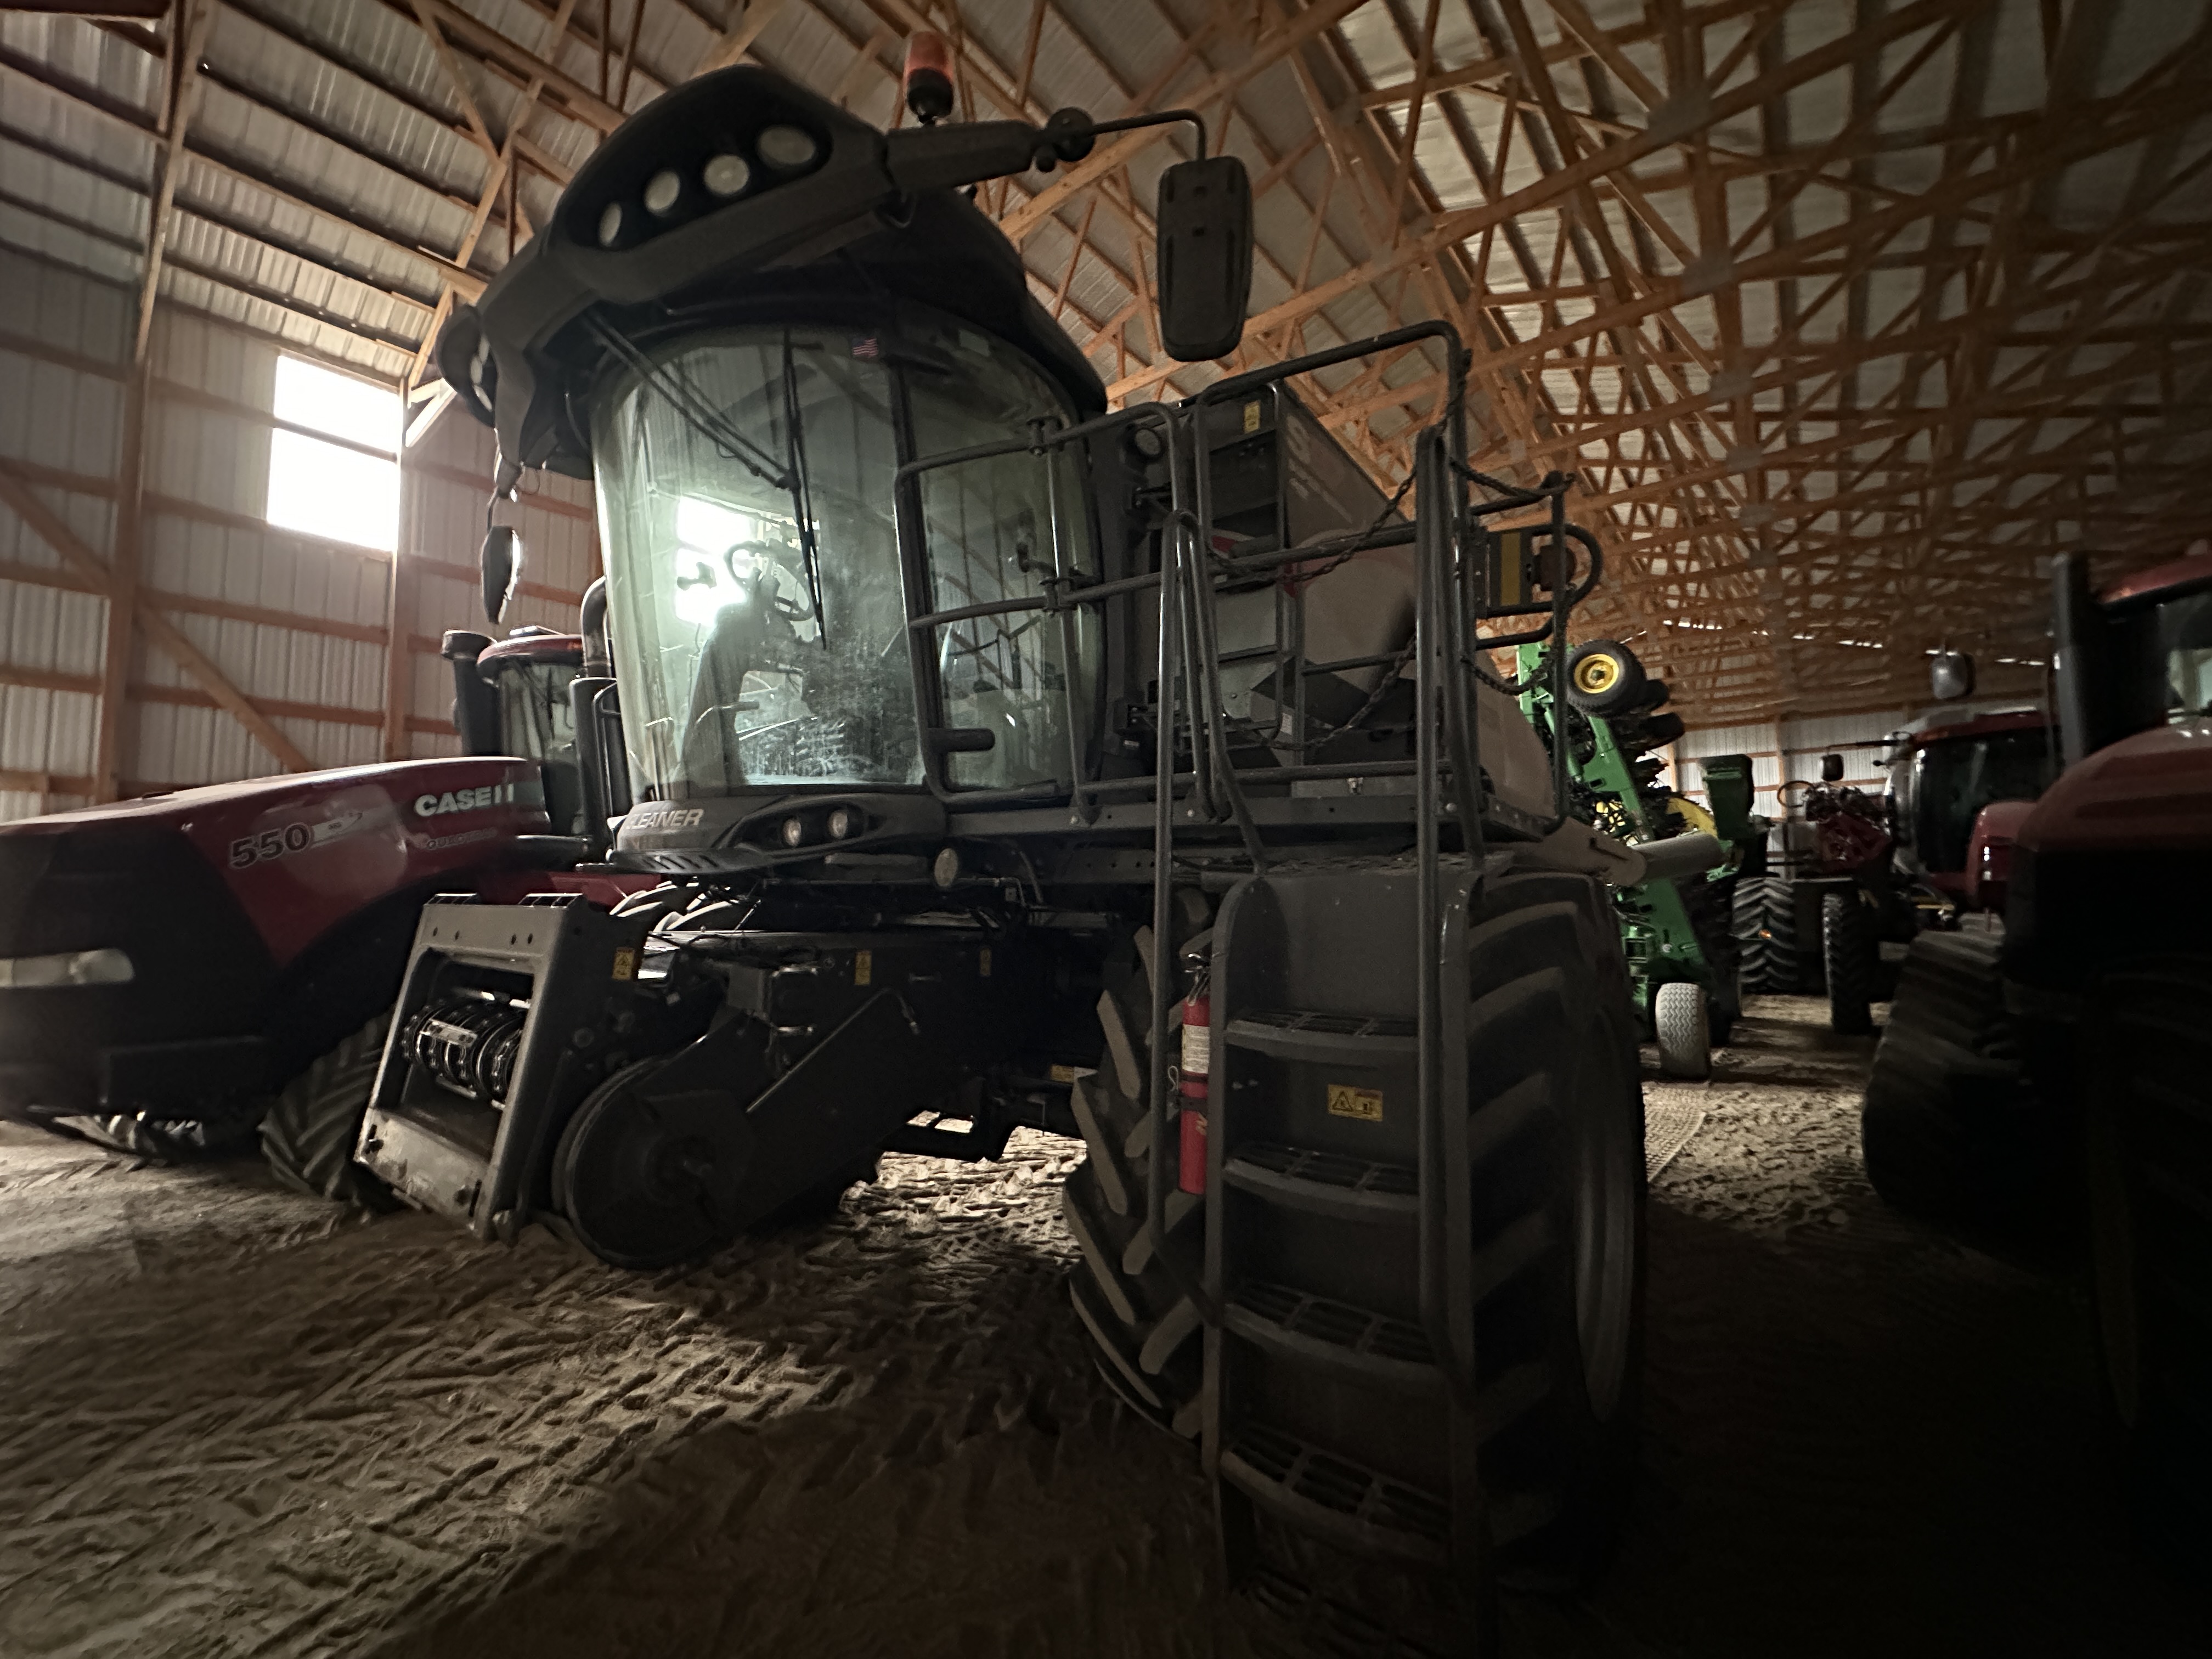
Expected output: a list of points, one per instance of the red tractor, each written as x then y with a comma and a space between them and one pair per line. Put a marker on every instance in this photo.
2058, 1070
1877, 871
168, 964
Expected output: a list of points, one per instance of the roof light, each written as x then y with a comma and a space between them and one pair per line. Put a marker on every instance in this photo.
726, 175
662, 191
845, 823
788, 149
794, 832
610, 224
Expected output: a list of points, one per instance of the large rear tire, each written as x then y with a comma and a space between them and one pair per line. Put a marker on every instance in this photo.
1556, 1153
1850, 952
2147, 1032
310, 1129
1144, 1326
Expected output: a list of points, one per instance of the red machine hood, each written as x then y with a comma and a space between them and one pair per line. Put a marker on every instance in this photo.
301, 851
2152, 792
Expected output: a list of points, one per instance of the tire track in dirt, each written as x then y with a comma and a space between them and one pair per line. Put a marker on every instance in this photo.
238, 1423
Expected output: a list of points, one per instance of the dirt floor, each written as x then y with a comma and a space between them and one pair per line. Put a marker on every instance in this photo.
234, 1422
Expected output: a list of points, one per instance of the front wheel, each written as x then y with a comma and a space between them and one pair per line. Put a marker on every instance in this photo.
1556, 1177
309, 1132
1685, 1047
1850, 949
1134, 1306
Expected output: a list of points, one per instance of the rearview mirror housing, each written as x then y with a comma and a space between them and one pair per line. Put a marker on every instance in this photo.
1203, 275
502, 569
1950, 676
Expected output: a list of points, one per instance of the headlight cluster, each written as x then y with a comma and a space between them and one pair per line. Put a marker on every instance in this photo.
779, 152
106, 966
838, 823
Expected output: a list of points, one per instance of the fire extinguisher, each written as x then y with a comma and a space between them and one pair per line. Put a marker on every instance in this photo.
1197, 1063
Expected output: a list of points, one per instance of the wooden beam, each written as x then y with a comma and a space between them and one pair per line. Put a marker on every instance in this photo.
48, 526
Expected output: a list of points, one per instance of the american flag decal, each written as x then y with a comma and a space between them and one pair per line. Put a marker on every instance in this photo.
867, 346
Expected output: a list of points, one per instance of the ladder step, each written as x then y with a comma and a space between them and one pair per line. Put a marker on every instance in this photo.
1364, 1346
1325, 1183
1308, 1034
1351, 1506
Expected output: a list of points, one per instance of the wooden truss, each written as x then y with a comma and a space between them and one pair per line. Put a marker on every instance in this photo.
1847, 313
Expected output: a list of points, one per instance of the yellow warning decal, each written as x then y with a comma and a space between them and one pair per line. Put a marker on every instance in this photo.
864, 966
1365, 1104
1252, 416
1065, 1073
625, 963
983, 962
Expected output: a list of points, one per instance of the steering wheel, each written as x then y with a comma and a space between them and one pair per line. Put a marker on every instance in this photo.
764, 557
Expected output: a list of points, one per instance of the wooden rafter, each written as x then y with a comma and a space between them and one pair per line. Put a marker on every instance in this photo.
1819, 345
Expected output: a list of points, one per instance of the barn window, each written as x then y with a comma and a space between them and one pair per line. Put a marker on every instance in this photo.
334, 465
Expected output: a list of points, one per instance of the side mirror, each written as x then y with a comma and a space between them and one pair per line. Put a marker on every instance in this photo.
1832, 769
1203, 275
1950, 676
502, 569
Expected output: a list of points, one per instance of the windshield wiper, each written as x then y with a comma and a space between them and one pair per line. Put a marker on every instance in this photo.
802, 499
703, 417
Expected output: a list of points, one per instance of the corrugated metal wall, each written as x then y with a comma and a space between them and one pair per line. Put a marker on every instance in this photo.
298, 623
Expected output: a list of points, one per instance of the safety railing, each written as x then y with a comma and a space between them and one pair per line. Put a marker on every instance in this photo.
1451, 605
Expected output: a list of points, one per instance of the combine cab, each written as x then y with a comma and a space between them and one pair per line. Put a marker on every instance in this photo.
173, 961
2059, 1068
1010, 763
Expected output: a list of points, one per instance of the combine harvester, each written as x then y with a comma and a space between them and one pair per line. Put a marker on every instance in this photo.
2059, 1068
1009, 763
173, 963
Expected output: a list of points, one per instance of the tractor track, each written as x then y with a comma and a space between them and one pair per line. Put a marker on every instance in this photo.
237, 1422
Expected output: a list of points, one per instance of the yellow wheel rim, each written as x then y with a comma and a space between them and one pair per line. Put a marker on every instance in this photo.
1699, 820
1595, 675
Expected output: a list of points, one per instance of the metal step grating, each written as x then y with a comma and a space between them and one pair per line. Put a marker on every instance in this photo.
1337, 1322
1334, 1483
1331, 1169
1347, 1026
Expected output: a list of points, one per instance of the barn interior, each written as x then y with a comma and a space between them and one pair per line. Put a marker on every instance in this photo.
1808, 393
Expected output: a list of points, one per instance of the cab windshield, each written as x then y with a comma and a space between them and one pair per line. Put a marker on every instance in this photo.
2166, 661
1942, 786
535, 718
754, 574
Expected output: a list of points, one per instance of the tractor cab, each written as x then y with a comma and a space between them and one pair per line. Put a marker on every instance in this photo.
512, 697
2136, 655
1941, 780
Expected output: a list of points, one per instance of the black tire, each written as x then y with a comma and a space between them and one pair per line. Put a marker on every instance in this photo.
1555, 1139
1145, 1327
1604, 678
1766, 935
172, 1140
1709, 905
1851, 955
2148, 1036
1948, 1128
310, 1129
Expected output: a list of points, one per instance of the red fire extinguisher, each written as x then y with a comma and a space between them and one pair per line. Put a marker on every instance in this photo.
1197, 1063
